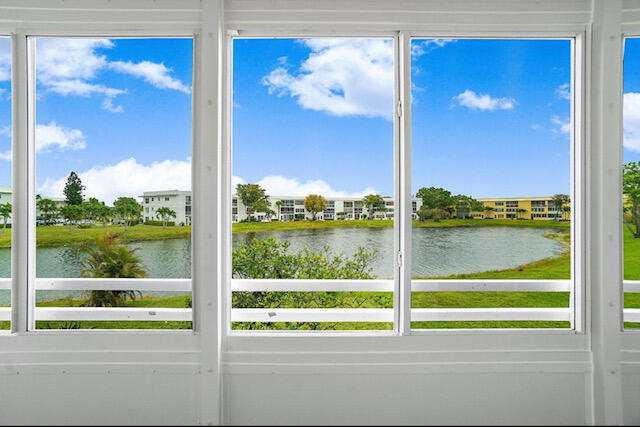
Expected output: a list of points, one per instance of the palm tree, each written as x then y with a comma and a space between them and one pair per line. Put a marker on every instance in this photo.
488, 210
558, 201
164, 213
5, 212
279, 205
47, 207
108, 259
520, 212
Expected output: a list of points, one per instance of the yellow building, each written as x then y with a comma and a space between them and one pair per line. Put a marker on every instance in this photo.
536, 208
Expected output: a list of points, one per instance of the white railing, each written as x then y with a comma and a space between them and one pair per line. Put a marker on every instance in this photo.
311, 314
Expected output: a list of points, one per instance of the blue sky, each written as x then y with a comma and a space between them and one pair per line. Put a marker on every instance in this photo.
490, 117
631, 84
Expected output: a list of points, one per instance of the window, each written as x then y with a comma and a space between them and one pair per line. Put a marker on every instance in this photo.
94, 98
6, 190
310, 118
631, 186
511, 107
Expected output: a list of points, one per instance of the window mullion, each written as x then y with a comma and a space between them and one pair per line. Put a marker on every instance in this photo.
403, 117
20, 198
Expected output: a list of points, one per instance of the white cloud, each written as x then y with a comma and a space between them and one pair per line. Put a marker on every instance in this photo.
483, 102
52, 135
631, 121
562, 126
343, 77
278, 185
421, 47
127, 178
564, 91
67, 65
153, 73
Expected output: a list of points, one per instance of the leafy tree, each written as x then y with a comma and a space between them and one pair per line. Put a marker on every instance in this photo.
128, 209
558, 201
435, 198
108, 259
374, 203
315, 203
72, 213
165, 213
435, 214
488, 211
48, 208
104, 214
92, 208
253, 197
631, 191
73, 189
5, 212
465, 204
521, 211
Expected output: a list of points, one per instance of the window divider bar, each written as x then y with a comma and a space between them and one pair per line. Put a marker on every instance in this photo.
19, 236
404, 219
31, 181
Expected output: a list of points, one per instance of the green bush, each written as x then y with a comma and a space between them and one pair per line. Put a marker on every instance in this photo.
84, 226
436, 214
169, 223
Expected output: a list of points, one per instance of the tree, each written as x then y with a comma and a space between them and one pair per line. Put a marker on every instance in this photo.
92, 208
279, 204
374, 203
128, 209
631, 191
73, 189
5, 212
48, 208
566, 210
104, 213
488, 211
521, 211
435, 198
108, 259
315, 203
466, 204
72, 213
558, 201
165, 213
435, 214
253, 197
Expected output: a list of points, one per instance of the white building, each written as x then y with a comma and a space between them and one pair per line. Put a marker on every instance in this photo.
290, 208
5, 197
178, 201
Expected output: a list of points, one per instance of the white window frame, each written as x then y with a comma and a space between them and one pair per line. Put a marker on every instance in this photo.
402, 177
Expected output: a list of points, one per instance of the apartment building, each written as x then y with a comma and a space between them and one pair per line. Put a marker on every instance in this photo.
178, 201
290, 208
536, 208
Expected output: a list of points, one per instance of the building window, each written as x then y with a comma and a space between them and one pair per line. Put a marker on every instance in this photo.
140, 90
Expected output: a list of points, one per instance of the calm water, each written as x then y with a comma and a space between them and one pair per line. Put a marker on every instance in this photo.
436, 251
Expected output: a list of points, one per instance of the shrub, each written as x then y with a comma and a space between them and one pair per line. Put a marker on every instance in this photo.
108, 259
436, 214
83, 226
169, 223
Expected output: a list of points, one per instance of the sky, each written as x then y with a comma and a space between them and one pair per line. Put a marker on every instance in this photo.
490, 117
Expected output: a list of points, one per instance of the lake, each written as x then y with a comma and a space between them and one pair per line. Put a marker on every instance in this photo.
436, 251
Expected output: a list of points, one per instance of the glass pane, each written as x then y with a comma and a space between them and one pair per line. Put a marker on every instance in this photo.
491, 177
113, 158
313, 183
631, 174
5, 182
